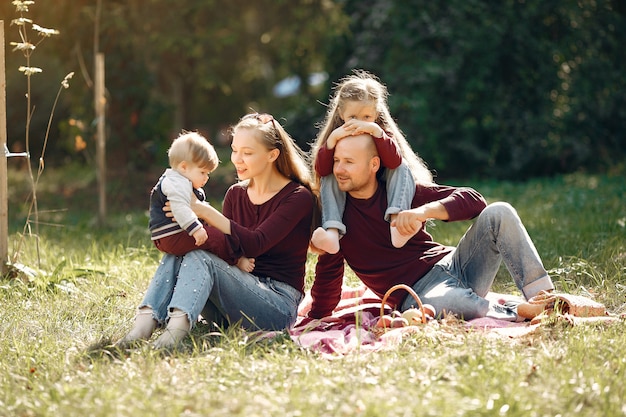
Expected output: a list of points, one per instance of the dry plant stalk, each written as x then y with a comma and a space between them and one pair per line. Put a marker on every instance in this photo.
27, 47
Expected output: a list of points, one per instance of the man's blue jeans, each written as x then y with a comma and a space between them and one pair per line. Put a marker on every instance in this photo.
459, 282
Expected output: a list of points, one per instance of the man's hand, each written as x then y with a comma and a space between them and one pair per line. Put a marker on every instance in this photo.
315, 250
410, 221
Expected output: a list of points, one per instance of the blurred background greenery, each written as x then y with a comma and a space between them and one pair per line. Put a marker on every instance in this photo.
512, 89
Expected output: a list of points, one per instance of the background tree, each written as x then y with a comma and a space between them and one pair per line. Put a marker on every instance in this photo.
510, 89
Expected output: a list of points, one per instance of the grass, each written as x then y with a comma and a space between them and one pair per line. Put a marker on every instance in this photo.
56, 325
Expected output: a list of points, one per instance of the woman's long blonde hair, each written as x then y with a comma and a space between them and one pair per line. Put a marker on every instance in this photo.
363, 86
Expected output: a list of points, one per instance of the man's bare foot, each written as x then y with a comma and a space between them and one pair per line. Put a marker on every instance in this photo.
326, 240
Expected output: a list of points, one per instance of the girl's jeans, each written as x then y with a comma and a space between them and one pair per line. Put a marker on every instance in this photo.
400, 193
459, 282
201, 282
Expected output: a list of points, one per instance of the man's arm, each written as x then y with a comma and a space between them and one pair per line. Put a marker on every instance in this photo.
440, 203
326, 290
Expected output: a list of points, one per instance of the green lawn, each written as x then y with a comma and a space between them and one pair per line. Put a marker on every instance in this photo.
55, 327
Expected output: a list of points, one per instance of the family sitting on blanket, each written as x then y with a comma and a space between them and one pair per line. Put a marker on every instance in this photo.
268, 215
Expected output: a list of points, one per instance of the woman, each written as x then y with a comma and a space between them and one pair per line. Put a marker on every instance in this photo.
267, 218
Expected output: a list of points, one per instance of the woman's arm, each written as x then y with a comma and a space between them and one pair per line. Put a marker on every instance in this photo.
212, 216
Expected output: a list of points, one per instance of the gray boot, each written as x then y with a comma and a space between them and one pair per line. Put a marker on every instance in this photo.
142, 329
177, 328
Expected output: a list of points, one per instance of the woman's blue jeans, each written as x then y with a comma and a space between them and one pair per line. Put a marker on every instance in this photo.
459, 282
201, 282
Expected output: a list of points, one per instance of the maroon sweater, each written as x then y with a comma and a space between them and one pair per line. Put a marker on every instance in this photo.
368, 250
275, 233
388, 150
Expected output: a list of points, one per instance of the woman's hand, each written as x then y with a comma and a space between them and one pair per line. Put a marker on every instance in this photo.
198, 206
209, 214
167, 208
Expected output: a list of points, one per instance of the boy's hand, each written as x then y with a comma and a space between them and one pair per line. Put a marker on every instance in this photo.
245, 264
200, 236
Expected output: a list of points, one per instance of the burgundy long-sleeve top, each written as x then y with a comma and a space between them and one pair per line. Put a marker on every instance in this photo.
388, 151
367, 249
275, 233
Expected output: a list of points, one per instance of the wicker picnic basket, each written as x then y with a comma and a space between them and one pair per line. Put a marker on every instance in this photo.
411, 292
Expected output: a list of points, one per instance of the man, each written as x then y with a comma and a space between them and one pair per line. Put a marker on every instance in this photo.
453, 280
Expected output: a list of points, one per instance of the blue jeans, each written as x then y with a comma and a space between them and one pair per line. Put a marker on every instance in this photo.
201, 282
400, 193
459, 282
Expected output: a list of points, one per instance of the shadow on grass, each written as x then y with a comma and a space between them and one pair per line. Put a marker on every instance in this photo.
202, 339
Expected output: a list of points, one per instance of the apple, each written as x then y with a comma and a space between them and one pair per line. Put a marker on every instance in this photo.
384, 321
413, 316
399, 322
429, 310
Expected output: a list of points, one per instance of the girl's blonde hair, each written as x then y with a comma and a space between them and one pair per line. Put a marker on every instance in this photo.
292, 162
193, 148
363, 86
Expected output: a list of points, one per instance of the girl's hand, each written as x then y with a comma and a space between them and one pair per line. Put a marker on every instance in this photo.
336, 135
358, 127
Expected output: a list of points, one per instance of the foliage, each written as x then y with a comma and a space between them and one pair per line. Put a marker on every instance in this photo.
200, 68
511, 89
57, 327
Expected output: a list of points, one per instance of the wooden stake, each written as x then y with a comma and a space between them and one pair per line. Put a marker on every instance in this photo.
4, 191
100, 106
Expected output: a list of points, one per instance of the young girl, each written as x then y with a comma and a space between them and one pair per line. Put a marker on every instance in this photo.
360, 106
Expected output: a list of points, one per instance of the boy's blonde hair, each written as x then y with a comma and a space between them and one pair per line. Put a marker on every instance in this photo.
193, 148
365, 87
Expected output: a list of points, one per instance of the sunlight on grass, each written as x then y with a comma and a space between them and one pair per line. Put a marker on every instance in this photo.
57, 327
